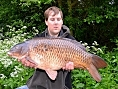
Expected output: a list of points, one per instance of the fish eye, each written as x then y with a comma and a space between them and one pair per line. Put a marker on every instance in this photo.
16, 47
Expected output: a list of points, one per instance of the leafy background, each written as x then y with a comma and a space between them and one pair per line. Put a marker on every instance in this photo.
94, 23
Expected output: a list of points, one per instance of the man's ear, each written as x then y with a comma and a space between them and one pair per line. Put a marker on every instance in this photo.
46, 22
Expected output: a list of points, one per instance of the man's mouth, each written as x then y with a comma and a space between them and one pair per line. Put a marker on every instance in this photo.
55, 27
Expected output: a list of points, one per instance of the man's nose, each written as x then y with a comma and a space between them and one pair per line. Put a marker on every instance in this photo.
56, 21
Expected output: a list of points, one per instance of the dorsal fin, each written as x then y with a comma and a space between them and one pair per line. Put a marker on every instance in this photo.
62, 38
75, 42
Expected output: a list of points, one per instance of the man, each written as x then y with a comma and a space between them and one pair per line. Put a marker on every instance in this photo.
40, 80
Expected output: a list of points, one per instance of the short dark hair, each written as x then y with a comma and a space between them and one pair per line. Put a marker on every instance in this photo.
55, 9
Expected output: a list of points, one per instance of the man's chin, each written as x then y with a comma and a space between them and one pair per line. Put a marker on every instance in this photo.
56, 31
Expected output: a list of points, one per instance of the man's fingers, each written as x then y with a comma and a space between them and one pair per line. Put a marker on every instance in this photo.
64, 68
69, 66
27, 63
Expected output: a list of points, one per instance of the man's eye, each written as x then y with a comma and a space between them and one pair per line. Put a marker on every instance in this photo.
52, 19
58, 19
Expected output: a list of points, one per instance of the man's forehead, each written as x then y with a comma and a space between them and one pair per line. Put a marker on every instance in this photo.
52, 14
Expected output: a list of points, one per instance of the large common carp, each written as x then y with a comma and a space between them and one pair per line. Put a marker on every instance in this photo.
51, 54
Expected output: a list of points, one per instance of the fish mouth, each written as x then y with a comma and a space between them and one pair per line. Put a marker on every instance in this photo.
9, 53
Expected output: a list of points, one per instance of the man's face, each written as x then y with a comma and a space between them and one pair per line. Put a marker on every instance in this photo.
54, 23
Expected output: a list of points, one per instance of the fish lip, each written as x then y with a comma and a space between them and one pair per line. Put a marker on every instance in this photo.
9, 53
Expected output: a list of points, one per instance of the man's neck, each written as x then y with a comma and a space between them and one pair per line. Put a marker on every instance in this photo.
52, 35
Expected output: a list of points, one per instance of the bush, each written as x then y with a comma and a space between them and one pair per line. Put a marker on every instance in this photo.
83, 80
12, 73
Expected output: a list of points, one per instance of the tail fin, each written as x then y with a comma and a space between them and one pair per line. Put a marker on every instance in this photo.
93, 71
98, 62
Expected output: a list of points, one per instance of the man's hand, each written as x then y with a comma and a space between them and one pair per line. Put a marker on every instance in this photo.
69, 66
27, 63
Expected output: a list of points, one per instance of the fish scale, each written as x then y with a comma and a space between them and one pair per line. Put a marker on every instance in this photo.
52, 54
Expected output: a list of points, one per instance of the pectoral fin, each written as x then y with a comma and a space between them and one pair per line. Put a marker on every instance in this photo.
29, 59
51, 73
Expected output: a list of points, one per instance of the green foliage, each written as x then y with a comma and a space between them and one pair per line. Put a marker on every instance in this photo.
93, 20
12, 73
17, 32
19, 14
95, 14
36, 1
83, 80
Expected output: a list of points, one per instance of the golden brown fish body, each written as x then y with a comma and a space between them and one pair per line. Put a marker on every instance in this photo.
51, 54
